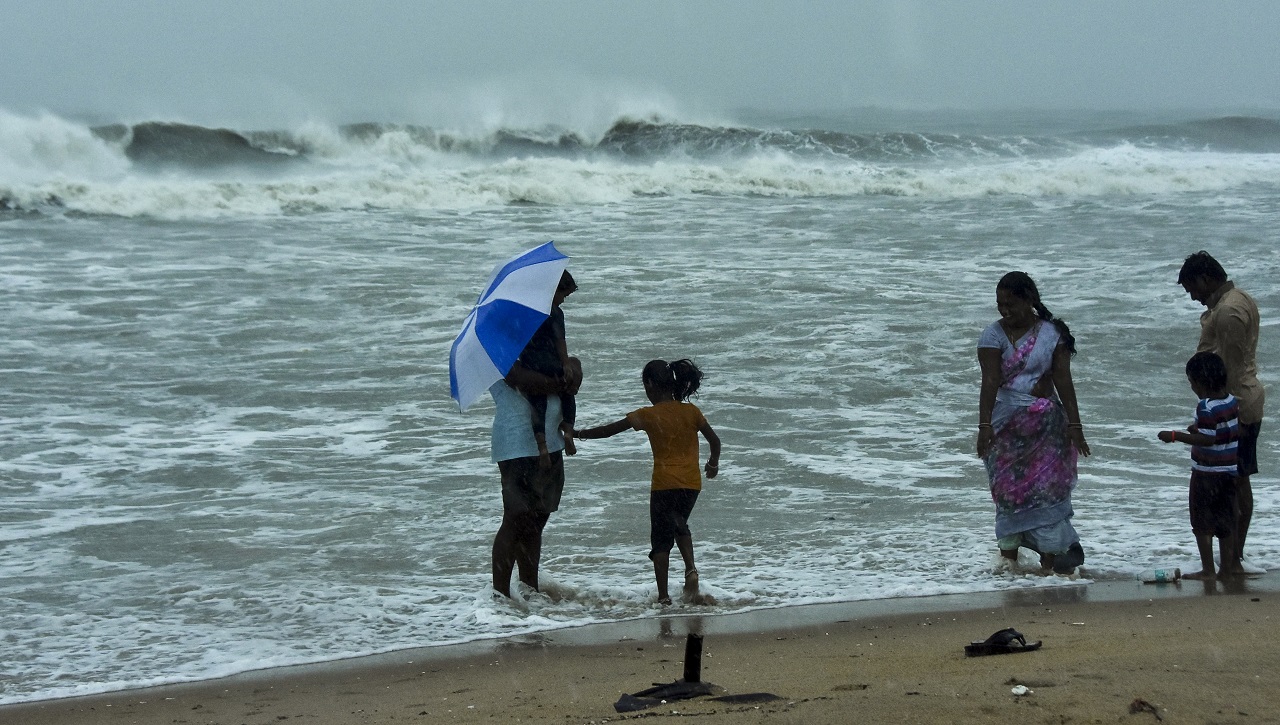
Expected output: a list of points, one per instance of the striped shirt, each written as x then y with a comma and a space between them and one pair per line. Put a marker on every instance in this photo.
1220, 419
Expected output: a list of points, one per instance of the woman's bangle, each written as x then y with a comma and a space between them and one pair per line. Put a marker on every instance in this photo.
984, 425
1173, 436
1076, 425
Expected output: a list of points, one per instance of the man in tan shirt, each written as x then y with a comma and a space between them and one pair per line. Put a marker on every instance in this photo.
1229, 327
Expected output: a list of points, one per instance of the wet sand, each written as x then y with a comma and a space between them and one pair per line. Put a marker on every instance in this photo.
1187, 653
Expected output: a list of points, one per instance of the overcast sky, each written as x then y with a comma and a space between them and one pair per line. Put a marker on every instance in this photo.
285, 61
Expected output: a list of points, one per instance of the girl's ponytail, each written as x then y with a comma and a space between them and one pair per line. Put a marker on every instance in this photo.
687, 378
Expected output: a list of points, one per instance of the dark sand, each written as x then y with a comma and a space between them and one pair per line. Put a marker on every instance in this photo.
1196, 653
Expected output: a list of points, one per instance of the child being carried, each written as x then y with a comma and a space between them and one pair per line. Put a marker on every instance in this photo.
548, 354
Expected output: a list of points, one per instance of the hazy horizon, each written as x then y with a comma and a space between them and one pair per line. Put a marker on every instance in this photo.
580, 63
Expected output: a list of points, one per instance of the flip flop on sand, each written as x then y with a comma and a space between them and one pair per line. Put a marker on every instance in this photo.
1006, 641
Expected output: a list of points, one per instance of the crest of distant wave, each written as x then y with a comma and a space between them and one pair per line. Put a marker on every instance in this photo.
168, 170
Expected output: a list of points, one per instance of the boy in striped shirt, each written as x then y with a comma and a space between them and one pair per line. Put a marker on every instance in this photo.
1214, 465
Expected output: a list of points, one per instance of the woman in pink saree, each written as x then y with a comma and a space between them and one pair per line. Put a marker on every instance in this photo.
1029, 431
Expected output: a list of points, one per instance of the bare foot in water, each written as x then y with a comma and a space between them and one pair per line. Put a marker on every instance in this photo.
1200, 576
690, 592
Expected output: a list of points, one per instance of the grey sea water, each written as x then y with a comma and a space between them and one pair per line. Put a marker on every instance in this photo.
226, 440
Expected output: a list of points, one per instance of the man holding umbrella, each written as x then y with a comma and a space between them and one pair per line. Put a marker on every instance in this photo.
530, 490
485, 357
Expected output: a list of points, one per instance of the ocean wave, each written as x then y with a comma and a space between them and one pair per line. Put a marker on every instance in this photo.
37, 148
171, 170
1243, 134
156, 144
648, 139
1096, 173
184, 145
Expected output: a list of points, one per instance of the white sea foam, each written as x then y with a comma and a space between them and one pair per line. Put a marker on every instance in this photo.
563, 182
36, 149
53, 164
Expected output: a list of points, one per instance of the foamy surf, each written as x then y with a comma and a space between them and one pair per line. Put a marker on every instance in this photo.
177, 171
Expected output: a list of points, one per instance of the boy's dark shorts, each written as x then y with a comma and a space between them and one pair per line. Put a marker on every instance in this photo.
528, 488
669, 517
1247, 448
1212, 504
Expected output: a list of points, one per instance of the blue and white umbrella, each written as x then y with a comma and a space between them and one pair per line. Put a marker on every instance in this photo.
512, 306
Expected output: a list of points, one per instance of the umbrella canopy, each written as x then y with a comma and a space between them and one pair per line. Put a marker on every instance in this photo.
512, 306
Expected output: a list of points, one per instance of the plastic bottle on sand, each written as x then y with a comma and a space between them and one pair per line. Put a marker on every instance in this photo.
1160, 576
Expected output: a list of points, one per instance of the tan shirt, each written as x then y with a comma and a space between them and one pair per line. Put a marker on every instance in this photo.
1230, 328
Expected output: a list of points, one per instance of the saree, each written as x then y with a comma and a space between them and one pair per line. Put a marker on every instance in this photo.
1032, 463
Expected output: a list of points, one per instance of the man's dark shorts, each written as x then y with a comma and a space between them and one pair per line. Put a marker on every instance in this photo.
669, 517
1247, 448
529, 488
1212, 503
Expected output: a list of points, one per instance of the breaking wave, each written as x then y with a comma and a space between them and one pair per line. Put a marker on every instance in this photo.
174, 170
186, 146
1241, 134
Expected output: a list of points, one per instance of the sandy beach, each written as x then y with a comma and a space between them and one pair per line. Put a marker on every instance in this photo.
1112, 652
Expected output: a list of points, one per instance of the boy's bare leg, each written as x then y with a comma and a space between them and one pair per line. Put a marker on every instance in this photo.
544, 456
566, 430
572, 382
1204, 542
1228, 547
661, 565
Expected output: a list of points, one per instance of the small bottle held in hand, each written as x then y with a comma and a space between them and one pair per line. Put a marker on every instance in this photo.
1160, 576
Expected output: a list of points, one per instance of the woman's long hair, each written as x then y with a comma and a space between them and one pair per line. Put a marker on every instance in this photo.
1022, 286
681, 378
